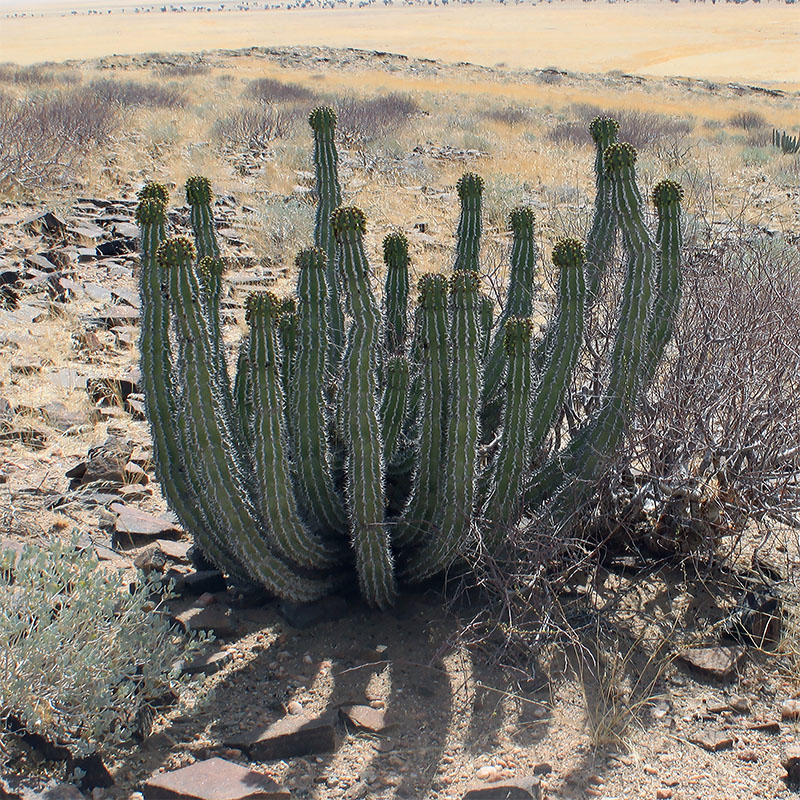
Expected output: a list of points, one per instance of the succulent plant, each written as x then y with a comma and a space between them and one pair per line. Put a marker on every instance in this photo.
786, 142
355, 433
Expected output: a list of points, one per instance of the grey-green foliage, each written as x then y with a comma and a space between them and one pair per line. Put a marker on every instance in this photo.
786, 142
352, 438
81, 654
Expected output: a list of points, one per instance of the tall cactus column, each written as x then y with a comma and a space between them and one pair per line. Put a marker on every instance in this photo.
395, 295
329, 198
455, 508
365, 468
468, 235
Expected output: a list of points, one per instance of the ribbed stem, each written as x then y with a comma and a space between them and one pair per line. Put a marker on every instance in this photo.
159, 386
667, 197
329, 198
393, 405
309, 405
468, 236
455, 509
503, 505
199, 197
365, 468
419, 515
292, 539
213, 465
485, 323
395, 295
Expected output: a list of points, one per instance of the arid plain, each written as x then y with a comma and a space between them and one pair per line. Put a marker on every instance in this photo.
755, 43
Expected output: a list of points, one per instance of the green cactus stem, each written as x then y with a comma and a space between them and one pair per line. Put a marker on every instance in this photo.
393, 405
455, 509
519, 303
419, 514
395, 296
503, 506
329, 197
309, 407
199, 197
667, 196
365, 469
485, 323
213, 464
291, 538
159, 384
468, 236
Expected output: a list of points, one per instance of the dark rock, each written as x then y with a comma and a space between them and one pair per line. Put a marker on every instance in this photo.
86, 234
713, 741
305, 615
24, 434
510, 789
45, 222
208, 663
364, 717
295, 735
105, 462
116, 247
213, 779
719, 661
544, 768
791, 763
202, 581
126, 230
92, 770
128, 296
133, 522
213, 618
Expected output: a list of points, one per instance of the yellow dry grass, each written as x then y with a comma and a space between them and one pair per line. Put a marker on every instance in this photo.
748, 43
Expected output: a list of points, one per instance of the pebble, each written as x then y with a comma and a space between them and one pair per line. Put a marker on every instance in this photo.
487, 773
790, 710
307, 659
648, 770
295, 707
749, 756
663, 793
377, 704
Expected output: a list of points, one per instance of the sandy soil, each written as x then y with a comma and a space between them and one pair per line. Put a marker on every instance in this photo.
718, 42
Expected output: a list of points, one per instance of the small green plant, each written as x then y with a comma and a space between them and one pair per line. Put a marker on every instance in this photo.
80, 656
786, 142
358, 434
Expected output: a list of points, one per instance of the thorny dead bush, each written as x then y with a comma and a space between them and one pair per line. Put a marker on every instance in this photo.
44, 139
36, 75
133, 94
711, 454
269, 90
748, 120
360, 120
182, 70
254, 128
508, 115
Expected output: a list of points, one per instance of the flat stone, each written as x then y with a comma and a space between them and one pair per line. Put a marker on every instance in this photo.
85, 235
18, 788
791, 762
364, 717
765, 726
720, 661
126, 230
45, 222
40, 262
62, 418
213, 618
177, 551
713, 741
139, 523
289, 737
213, 779
527, 788
67, 379
208, 663
97, 292
116, 247
128, 296
151, 559
790, 710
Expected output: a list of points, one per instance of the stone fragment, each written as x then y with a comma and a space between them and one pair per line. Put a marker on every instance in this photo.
37, 261
791, 763
151, 559
289, 737
364, 717
765, 726
62, 418
202, 581
711, 740
116, 247
86, 234
18, 788
67, 378
213, 618
177, 551
790, 710
134, 522
213, 779
45, 222
208, 663
527, 788
719, 661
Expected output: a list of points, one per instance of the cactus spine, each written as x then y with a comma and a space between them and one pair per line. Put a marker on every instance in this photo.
274, 491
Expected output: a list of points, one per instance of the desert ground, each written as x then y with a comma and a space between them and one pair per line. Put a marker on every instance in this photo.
723, 42
613, 704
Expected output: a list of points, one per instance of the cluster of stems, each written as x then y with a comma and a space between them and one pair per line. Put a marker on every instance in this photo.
353, 432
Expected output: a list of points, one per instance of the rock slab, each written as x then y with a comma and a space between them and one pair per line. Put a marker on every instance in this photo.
510, 789
791, 763
213, 779
289, 737
713, 741
719, 662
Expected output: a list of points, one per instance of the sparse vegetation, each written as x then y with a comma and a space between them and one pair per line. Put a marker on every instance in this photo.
134, 94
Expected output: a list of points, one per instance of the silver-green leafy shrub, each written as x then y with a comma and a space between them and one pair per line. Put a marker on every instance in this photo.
81, 654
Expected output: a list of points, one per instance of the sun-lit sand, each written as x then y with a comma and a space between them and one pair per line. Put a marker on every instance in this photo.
746, 43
